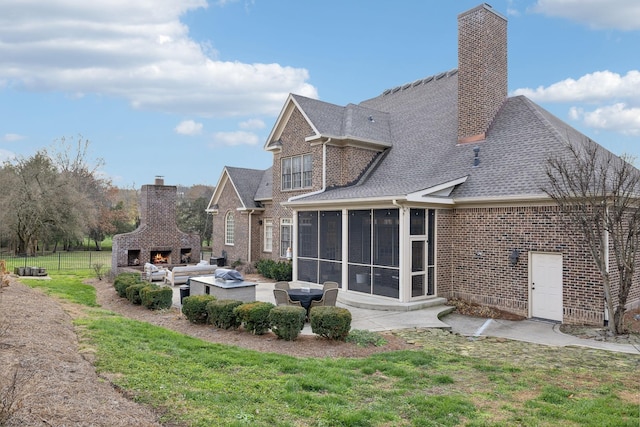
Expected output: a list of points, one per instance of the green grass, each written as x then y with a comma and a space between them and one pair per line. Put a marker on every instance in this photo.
67, 286
197, 383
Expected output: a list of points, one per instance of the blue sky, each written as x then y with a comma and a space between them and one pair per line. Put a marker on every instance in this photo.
181, 88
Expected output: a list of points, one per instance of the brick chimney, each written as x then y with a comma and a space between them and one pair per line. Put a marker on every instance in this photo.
482, 70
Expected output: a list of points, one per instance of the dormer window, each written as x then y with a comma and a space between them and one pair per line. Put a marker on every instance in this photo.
297, 172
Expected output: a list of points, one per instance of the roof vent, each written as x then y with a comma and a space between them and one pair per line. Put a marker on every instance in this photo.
371, 119
476, 157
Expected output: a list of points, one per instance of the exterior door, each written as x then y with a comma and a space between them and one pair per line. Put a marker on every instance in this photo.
546, 286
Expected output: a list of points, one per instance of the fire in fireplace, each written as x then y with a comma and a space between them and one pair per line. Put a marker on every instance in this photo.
160, 257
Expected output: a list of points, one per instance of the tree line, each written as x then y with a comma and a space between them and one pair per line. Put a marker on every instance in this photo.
57, 198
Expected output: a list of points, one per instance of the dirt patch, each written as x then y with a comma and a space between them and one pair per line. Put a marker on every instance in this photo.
56, 385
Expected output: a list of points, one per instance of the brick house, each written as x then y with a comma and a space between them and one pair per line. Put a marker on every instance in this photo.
432, 189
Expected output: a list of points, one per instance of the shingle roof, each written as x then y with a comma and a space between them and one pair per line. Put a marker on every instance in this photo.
425, 151
352, 121
246, 183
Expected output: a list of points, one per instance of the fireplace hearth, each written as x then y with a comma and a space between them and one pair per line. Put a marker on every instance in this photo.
157, 239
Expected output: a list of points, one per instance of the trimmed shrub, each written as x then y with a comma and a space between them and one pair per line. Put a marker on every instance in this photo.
278, 271
195, 308
221, 314
133, 293
287, 321
156, 297
255, 316
330, 322
123, 281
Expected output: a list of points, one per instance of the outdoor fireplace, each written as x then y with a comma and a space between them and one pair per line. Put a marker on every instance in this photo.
160, 257
157, 239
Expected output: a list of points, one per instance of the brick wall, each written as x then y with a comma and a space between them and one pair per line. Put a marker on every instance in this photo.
157, 231
482, 70
473, 260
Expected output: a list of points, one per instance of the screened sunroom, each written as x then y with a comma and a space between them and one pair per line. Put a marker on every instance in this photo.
384, 252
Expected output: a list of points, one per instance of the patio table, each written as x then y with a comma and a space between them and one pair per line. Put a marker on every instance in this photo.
305, 296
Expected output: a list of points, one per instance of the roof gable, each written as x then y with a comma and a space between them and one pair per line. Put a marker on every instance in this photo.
352, 125
245, 183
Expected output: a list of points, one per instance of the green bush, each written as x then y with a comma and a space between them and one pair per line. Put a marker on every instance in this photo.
278, 271
287, 321
364, 338
255, 316
195, 308
133, 293
123, 281
156, 297
221, 314
330, 322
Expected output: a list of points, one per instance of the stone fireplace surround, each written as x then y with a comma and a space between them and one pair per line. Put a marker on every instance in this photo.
157, 239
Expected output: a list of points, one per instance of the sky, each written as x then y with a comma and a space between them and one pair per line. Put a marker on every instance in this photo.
182, 88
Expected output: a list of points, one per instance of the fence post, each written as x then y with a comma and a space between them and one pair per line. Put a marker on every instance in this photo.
89, 260
59, 261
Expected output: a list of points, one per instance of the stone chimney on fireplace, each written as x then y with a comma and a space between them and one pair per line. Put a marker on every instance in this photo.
482, 70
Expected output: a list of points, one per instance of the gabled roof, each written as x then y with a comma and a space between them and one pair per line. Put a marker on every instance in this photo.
350, 125
425, 152
245, 182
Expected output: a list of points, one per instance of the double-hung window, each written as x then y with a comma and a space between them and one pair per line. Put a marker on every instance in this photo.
297, 172
268, 235
286, 230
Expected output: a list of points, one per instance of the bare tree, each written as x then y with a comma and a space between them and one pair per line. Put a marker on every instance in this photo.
599, 195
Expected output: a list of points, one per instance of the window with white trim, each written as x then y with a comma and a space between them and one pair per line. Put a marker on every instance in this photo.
297, 172
229, 229
268, 235
286, 231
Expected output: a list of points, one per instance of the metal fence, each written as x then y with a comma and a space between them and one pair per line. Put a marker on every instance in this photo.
60, 260
77, 260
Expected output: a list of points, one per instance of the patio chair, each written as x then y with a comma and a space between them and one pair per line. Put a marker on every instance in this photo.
282, 285
330, 285
329, 297
282, 298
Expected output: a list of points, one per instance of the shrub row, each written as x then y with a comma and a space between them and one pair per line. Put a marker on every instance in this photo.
151, 296
258, 317
276, 270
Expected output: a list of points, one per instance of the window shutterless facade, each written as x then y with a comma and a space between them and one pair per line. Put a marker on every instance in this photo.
229, 229
286, 231
297, 172
268, 235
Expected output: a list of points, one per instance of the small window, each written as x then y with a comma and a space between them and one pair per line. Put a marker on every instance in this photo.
229, 229
286, 230
268, 235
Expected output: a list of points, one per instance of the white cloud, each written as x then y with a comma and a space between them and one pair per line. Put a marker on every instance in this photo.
618, 118
136, 50
12, 137
6, 156
189, 127
595, 87
599, 14
601, 100
235, 138
252, 124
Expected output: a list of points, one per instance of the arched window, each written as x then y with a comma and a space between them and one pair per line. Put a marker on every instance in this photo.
229, 228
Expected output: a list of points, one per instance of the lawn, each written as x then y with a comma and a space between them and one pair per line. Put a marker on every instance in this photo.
197, 383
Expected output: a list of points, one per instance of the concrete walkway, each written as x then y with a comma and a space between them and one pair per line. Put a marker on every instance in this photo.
534, 331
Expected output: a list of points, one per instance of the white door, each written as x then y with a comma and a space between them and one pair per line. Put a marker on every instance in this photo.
546, 286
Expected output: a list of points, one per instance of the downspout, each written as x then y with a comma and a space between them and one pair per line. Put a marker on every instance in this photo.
249, 249
324, 175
